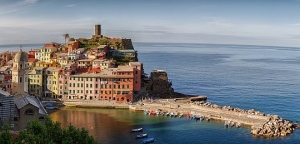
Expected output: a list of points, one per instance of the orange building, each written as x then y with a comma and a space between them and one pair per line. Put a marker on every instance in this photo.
72, 45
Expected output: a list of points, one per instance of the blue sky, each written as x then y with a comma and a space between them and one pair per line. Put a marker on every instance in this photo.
253, 22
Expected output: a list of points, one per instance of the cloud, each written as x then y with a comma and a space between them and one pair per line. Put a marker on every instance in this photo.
16, 6
71, 5
30, 1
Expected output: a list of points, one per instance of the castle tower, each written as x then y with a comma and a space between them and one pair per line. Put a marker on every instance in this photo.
19, 73
97, 30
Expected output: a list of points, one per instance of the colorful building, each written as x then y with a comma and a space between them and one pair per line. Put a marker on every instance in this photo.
45, 54
5, 79
72, 45
63, 78
35, 81
116, 84
50, 82
85, 63
102, 64
31, 57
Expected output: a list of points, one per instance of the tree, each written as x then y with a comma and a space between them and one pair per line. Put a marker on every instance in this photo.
72, 39
66, 36
6, 136
48, 133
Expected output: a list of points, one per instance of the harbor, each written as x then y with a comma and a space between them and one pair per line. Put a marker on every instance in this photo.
264, 125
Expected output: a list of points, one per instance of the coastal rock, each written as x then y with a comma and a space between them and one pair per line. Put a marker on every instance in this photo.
275, 127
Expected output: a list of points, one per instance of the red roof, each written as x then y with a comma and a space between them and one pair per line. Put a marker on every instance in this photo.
82, 70
95, 70
31, 59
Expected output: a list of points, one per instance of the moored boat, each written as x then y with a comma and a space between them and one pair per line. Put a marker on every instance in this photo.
141, 136
148, 140
137, 130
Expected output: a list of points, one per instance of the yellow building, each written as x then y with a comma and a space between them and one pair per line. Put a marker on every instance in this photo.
51, 81
42, 64
45, 54
55, 81
35, 81
62, 59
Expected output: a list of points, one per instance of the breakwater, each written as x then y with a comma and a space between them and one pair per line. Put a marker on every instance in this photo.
265, 125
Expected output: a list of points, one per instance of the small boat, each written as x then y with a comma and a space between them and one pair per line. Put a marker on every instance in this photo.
146, 112
238, 125
137, 130
141, 136
181, 115
148, 140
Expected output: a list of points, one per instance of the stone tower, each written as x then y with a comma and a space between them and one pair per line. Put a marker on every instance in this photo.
97, 30
19, 73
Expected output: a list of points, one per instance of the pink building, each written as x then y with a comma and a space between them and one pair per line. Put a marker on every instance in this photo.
116, 84
63, 77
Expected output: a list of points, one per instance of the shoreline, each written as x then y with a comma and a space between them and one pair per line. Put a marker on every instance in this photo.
261, 125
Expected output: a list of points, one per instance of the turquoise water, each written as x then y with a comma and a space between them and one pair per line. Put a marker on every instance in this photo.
260, 77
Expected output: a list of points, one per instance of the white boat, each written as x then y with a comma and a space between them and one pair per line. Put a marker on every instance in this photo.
137, 130
141, 136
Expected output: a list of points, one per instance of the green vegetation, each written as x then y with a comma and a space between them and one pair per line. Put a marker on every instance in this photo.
95, 42
71, 39
48, 133
120, 60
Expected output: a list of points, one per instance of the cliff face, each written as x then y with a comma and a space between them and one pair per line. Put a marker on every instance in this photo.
126, 44
161, 87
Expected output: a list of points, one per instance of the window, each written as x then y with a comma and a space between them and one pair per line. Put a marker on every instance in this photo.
87, 91
96, 85
70, 84
29, 112
81, 84
91, 79
81, 91
91, 91
73, 91
87, 85
91, 85
77, 84
20, 79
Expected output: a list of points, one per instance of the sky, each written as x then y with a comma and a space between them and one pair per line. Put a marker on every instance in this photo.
247, 22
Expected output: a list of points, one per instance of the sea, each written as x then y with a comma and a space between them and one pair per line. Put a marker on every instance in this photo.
264, 78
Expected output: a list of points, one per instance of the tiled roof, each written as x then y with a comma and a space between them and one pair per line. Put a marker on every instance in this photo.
21, 101
94, 70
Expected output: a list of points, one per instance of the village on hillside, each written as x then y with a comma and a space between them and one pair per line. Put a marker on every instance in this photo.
75, 70
99, 68
96, 69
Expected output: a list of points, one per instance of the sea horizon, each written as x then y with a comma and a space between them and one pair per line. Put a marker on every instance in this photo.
34, 45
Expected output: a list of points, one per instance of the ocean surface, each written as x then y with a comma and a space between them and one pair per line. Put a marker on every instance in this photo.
264, 78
